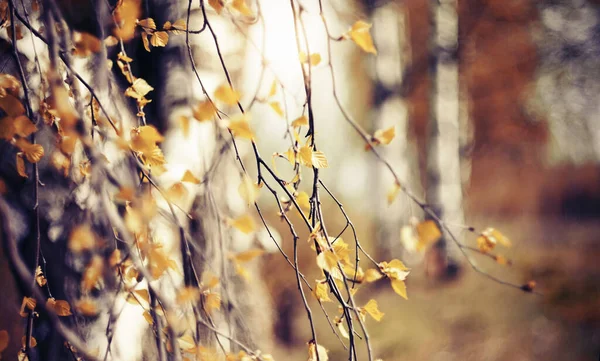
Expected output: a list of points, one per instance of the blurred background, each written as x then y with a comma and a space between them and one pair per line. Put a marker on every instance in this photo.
496, 110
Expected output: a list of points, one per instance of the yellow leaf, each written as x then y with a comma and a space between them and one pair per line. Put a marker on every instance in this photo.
341, 328
144, 138
319, 160
306, 157
327, 260
23, 126
148, 317
428, 233
12, 105
372, 309
315, 58
186, 343
82, 239
227, 95
188, 294
147, 23
189, 178
39, 277
60, 307
240, 126
33, 152
372, 275
184, 123
300, 121
384, 136
395, 269
212, 301
20, 162
400, 288
240, 5
27, 304
359, 33
138, 89
277, 108
321, 292
204, 111
303, 201
159, 38
178, 27
248, 190
273, 89
217, 5
244, 224
393, 193
249, 255
146, 42
87, 307
314, 349
92, 274
9, 84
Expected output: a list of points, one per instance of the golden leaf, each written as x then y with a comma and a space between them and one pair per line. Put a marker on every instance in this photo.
319, 160
277, 108
60, 307
148, 317
242, 7
159, 38
217, 5
23, 126
82, 239
20, 162
395, 269
384, 136
146, 42
488, 239
126, 14
86, 306
249, 255
359, 33
144, 139
244, 224
373, 310
12, 105
147, 23
428, 233
300, 121
32, 342
187, 343
27, 304
227, 95
321, 292
393, 193
248, 190
400, 288
372, 275
273, 89
92, 274
33, 152
314, 349
314, 59
9, 84
188, 294
138, 89
303, 201
212, 301
39, 277
306, 157
327, 260
179, 26
204, 111
189, 178
240, 126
